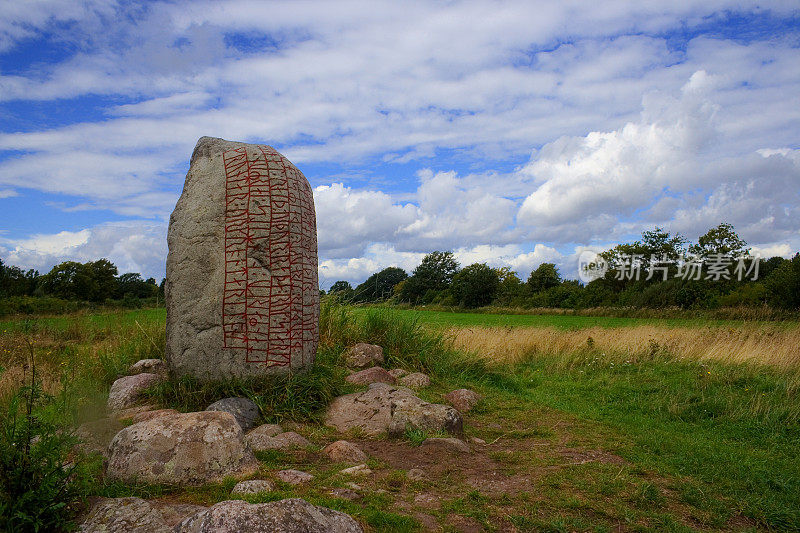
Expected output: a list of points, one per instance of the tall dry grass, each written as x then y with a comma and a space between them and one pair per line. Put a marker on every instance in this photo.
773, 345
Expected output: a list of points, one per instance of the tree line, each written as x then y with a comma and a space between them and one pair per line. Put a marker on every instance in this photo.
92, 282
659, 270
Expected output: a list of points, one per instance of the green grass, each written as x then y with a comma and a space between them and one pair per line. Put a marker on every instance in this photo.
445, 319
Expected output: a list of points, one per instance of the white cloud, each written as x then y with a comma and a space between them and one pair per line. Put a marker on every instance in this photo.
8, 193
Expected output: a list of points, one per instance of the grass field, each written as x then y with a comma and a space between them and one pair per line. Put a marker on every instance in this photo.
641, 435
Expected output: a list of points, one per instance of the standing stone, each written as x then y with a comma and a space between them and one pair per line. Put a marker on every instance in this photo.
242, 293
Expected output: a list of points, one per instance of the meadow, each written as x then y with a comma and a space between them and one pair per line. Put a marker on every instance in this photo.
596, 423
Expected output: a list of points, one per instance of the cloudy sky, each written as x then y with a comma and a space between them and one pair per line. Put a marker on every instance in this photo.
510, 132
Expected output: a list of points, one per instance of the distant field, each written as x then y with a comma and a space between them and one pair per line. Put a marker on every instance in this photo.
446, 319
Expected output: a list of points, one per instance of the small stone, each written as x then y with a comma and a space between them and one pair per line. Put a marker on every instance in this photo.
448, 444
342, 451
149, 415
265, 430
463, 399
417, 474
244, 410
253, 486
479, 442
149, 366
285, 516
345, 494
118, 515
127, 390
411, 412
282, 441
375, 374
398, 373
358, 470
293, 477
363, 355
417, 380
426, 500
354, 486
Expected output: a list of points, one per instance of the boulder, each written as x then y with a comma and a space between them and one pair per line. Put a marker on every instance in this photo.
244, 410
148, 415
384, 408
417, 380
375, 374
253, 486
149, 366
463, 399
127, 390
369, 411
267, 430
413, 413
342, 451
293, 477
180, 449
283, 441
363, 355
123, 515
242, 294
448, 444
285, 516
173, 513
398, 373
358, 470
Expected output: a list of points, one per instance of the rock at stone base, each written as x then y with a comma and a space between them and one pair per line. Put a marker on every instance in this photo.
358, 470
244, 410
253, 486
345, 494
370, 411
285, 516
479, 442
149, 415
293, 477
417, 380
447, 444
375, 374
417, 474
127, 390
398, 373
174, 513
413, 413
149, 366
282, 441
180, 449
463, 399
266, 430
363, 355
384, 408
342, 451
123, 515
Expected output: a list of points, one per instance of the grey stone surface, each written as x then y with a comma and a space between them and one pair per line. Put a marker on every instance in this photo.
253, 486
149, 366
358, 470
127, 390
342, 451
417, 380
244, 410
180, 449
448, 444
345, 494
124, 515
363, 355
462, 399
413, 413
282, 441
241, 293
417, 474
285, 516
369, 411
375, 374
293, 477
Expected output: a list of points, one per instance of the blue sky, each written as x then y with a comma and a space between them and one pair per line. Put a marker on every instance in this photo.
510, 132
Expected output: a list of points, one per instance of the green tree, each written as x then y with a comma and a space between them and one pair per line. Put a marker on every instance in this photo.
544, 277
342, 289
380, 285
783, 284
69, 280
104, 277
723, 240
511, 287
475, 285
432, 276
